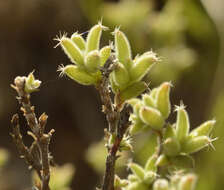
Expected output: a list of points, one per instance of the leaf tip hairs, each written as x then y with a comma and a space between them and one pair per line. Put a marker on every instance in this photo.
61, 69
117, 29
211, 142
100, 23
180, 107
59, 38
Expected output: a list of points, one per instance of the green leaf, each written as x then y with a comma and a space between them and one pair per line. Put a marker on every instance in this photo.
122, 47
195, 144
72, 51
93, 38
92, 61
151, 117
105, 53
182, 123
79, 41
137, 170
142, 66
133, 90
204, 129
79, 75
163, 99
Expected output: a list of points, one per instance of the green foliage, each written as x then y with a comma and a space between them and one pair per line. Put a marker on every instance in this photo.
86, 56
176, 142
125, 77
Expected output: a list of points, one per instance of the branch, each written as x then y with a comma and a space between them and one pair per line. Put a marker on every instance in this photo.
117, 125
38, 154
23, 150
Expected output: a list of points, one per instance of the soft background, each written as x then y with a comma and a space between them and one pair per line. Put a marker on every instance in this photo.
187, 34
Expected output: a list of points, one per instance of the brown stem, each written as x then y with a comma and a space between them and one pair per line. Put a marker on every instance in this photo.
23, 150
38, 154
116, 125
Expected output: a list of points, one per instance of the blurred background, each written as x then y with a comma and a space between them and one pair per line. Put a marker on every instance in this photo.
188, 35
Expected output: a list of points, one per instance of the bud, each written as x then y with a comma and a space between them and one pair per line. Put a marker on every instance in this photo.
122, 47
171, 147
151, 163
152, 117
142, 65
148, 100
149, 177
204, 129
132, 178
118, 182
92, 61
163, 99
120, 75
104, 54
182, 123
133, 90
78, 74
93, 38
72, 51
187, 182
137, 186
161, 184
195, 144
31, 84
137, 170
79, 41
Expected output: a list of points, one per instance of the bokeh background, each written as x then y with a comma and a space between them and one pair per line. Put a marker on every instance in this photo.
189, 37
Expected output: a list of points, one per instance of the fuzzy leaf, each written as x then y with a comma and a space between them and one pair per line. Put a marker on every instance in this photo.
92, 61
163, 99
72, 51
204, 129
122, 47
151, 117
142, 66
182, 124
79, 75
79, 41
133, 90
104, 54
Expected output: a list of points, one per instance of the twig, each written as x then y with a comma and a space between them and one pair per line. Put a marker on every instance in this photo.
37, 156
23, 150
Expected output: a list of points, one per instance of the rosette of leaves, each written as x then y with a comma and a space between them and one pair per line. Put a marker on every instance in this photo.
86, 56
127, 77
152, 110
179, 141
141, 178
